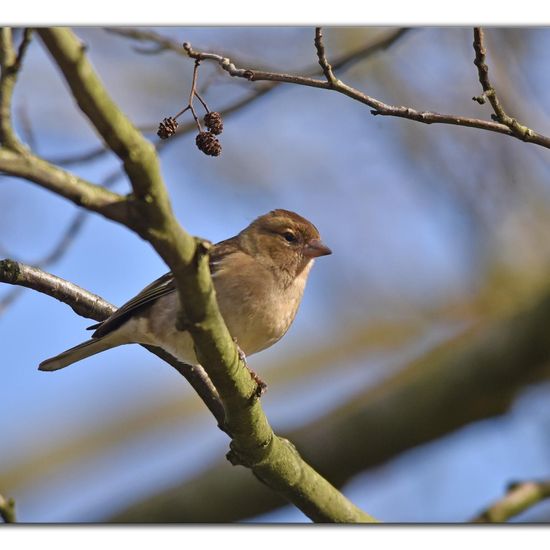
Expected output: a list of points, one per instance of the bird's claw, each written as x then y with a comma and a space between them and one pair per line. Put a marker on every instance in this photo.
261, 386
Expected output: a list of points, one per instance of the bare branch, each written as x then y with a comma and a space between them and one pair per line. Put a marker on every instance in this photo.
342, 62
92, 306
10, 64
519, 130
81, 301
64, 184
378, 107
520, 497
323, 61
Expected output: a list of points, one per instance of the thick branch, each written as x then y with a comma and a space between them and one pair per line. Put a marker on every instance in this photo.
67, 185
378, 107
273, 460
274, 463
519, 497
473, 376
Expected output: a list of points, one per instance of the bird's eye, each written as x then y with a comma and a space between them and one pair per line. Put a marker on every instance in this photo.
289, 236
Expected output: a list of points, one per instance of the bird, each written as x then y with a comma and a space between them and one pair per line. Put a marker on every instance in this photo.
259, 276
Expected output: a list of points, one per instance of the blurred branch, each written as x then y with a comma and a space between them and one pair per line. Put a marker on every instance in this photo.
48, 458
473, 376
161, 43
378, 107
520, 497
7, 509
90, 155
520, 131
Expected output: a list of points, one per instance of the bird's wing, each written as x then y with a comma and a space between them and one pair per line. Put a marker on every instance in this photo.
160, 287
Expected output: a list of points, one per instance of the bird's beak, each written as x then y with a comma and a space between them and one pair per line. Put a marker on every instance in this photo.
316, 248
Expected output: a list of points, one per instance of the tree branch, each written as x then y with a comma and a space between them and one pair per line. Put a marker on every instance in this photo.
472, 376
272, 459
62, 245
10, 64
65, 184
313, 489
7, 509
378, 107
520, 131
520, 497
163, 43
323, 61
92, 306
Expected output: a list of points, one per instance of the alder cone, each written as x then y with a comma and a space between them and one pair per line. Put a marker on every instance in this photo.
214, 122
208, 143
167, 128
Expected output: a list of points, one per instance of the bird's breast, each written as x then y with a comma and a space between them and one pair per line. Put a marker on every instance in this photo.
257, 310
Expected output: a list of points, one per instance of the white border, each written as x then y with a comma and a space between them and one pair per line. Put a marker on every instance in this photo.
283, 12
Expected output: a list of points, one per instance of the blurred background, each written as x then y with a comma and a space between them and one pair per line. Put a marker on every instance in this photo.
415, 376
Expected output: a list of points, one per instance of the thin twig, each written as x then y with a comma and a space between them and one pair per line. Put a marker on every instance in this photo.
343, 62
92, 306
323, 61
519, 130
378, 107
162, 43
22, 49
72, 159
520, 497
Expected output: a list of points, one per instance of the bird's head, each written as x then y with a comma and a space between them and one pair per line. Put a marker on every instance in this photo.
283, 240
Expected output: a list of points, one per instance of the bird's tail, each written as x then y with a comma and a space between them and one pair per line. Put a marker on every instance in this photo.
72, 355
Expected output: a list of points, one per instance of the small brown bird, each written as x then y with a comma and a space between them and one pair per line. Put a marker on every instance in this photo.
259, 276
